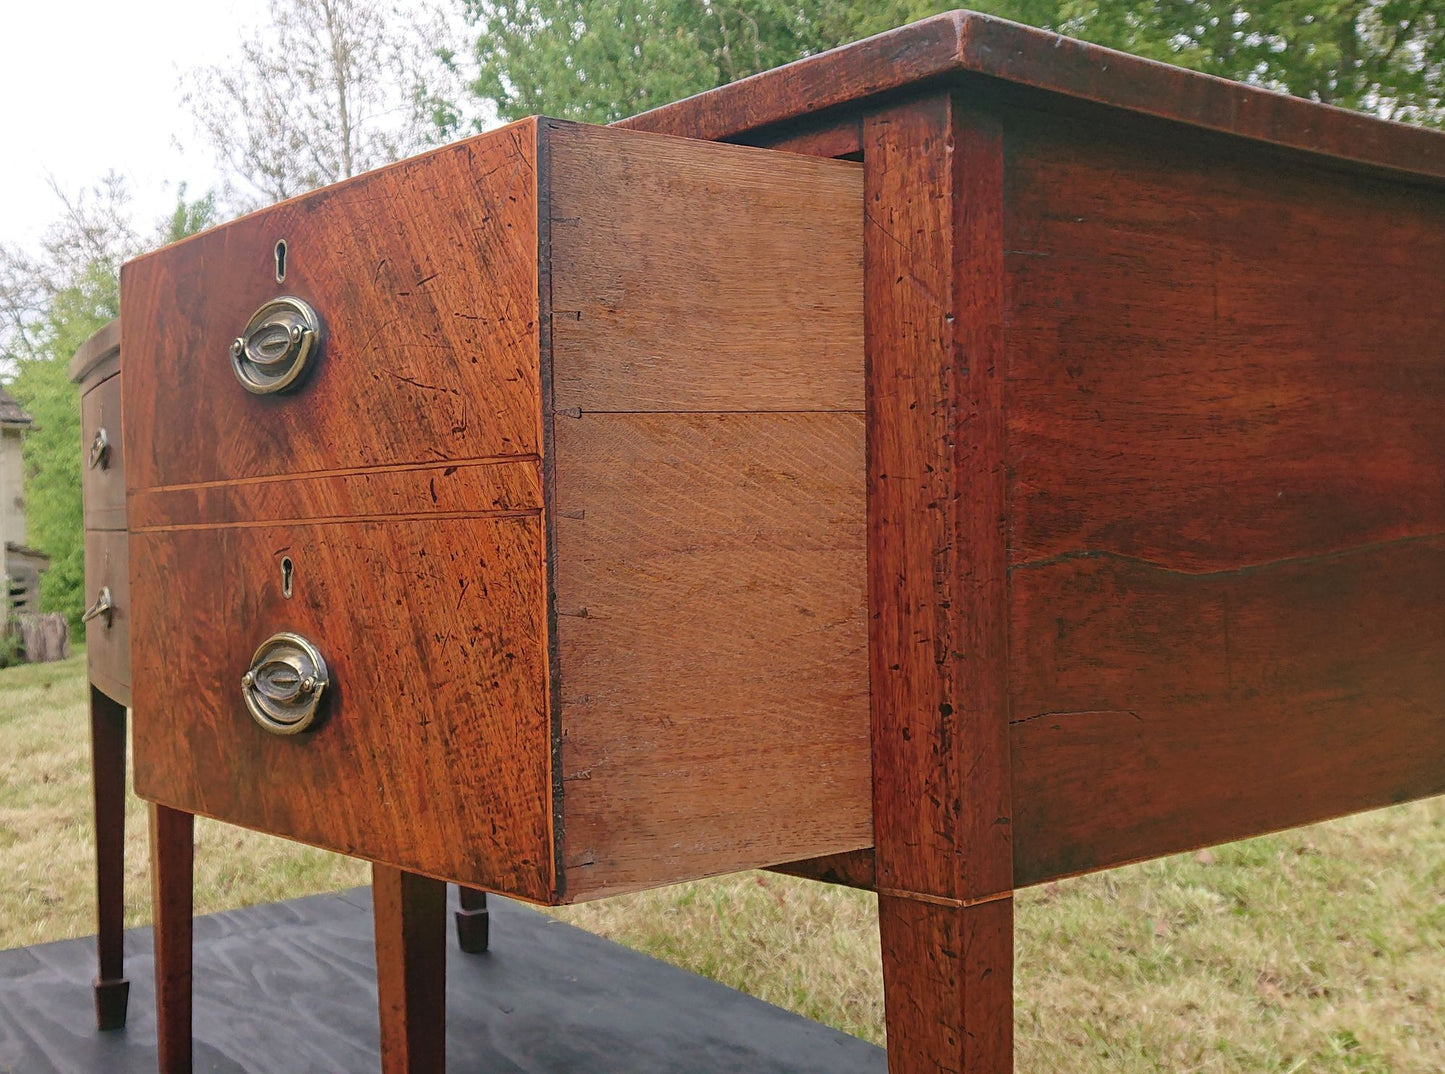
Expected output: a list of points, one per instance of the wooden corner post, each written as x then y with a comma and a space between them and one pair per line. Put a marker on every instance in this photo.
937, 584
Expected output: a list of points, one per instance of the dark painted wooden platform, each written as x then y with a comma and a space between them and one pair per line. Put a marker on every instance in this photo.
290, 987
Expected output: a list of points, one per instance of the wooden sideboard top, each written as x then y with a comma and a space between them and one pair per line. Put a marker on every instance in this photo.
99, 348
964, 46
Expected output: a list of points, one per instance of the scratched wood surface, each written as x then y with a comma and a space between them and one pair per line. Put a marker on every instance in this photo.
425, 277
937, 585
1226, 492
436, 749
441, 490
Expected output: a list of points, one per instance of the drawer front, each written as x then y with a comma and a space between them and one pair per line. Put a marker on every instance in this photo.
424, 276
434, 747
102, 456
107, 633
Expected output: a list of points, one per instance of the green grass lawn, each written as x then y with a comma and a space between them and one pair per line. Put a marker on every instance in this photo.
1321, 949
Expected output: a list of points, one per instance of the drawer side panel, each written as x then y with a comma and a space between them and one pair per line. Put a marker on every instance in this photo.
707, 508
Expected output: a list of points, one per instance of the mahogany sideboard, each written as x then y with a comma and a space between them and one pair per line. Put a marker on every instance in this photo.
1010, 459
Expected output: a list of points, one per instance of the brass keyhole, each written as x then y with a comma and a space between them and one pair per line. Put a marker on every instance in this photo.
287, 570
281, 261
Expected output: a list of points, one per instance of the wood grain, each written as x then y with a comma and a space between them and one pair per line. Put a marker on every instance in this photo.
424, 274
435, 750
103, 485
712, 643
107, 766
172, 841
1216, 358
1226, 492
494, 487
707, 508
1158, 711
937, 585
411, 973
954, 1014
937, 569
107, 639
970, 50
692, 277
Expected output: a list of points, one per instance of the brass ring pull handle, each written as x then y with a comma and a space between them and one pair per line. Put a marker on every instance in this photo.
99, 448
279, 344
103, 606
284, 688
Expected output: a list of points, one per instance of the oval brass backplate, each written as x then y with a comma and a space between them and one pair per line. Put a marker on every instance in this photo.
286, 683
280, 343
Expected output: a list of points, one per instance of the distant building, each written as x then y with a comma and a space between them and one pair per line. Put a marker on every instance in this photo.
23, 566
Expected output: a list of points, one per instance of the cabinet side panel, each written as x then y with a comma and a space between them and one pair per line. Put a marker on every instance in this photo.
1226, 428
707, 509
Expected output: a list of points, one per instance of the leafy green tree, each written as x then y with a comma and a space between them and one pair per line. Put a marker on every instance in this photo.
50, 304
325, 90
600, 60
1381, 56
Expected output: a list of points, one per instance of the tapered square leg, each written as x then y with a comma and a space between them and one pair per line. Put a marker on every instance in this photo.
947, 986
473, 925
107, 764
411, 976
172, 880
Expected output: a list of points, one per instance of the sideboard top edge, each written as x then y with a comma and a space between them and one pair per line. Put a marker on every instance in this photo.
964, 43
95, 350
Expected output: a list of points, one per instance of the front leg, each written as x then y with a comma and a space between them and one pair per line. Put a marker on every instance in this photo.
172, 880
411, 973
107, 766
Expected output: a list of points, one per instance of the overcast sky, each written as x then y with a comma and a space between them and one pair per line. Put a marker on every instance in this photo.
90, 85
